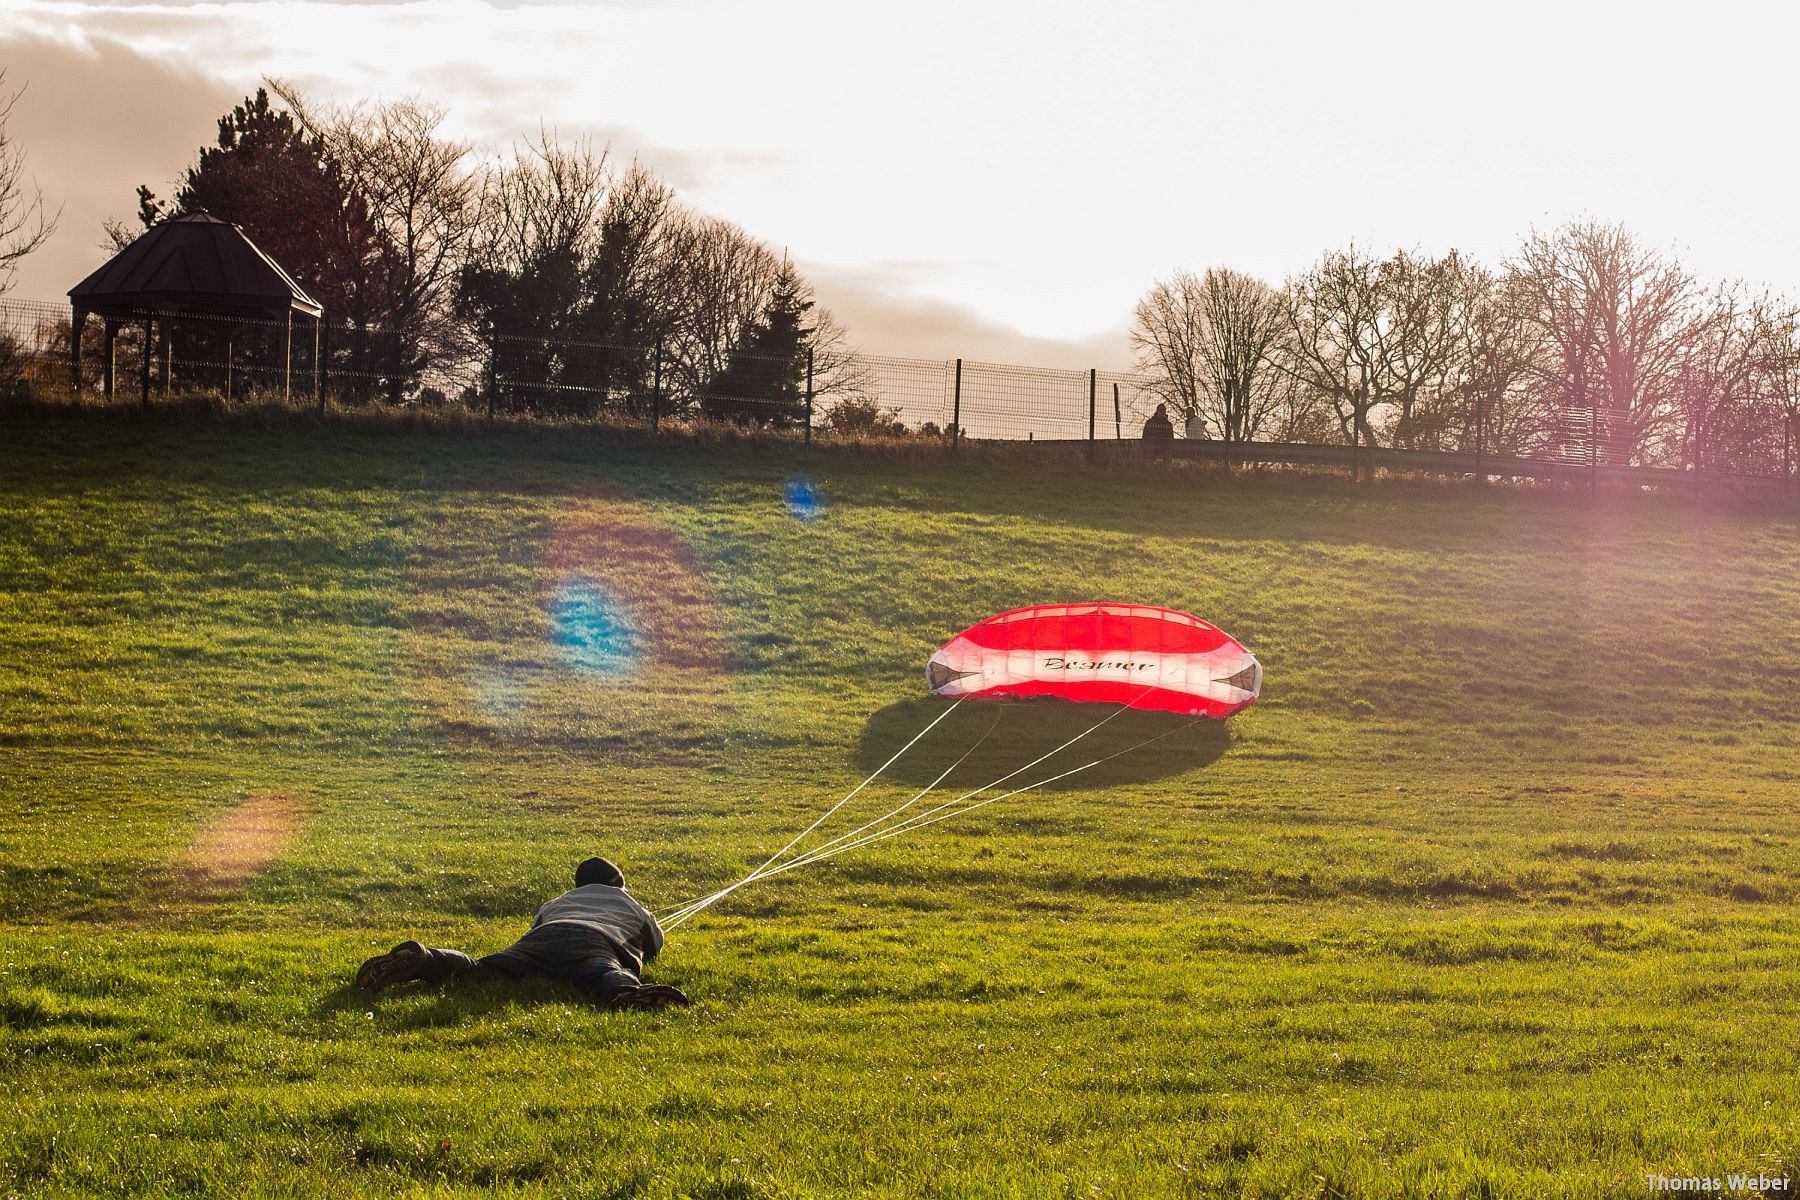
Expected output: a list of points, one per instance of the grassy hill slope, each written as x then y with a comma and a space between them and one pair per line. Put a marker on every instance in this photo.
1492, 894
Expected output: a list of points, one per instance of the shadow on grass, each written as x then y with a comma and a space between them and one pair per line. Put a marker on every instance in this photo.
1019, 731
428, 1005
238, 457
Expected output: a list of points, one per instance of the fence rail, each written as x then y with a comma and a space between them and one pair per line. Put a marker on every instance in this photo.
141, 358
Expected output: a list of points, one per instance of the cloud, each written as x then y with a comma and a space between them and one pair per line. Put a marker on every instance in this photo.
96, 120
874, 303
1051, 162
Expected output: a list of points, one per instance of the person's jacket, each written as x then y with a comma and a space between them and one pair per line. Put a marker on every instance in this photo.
613, 912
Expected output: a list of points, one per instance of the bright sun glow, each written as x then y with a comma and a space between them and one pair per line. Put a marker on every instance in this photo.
1029, 167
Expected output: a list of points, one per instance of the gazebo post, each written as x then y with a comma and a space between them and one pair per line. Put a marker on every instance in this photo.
75, 323
110, 364
226, 277
144, 367
318, 388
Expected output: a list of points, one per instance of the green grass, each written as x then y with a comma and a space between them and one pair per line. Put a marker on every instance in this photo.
1493, 894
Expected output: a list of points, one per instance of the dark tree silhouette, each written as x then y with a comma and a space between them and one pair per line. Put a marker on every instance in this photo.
765, 381
270, 177
557, 289
24, 223
282, 186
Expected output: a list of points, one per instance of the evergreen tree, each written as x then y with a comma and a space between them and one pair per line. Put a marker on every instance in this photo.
280, 186
616, 326
523, 317
765, 381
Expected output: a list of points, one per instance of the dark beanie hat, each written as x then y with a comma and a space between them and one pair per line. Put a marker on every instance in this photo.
598, 870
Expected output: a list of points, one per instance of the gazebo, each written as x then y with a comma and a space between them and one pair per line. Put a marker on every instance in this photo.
191, 265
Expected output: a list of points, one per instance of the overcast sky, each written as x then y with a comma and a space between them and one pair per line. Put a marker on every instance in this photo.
999, 181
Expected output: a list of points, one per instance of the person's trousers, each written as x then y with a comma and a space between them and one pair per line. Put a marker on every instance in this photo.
574, 954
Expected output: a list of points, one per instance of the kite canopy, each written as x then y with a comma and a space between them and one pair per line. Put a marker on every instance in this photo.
1131, 654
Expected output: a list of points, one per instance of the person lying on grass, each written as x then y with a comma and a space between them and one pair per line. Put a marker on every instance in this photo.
596, 937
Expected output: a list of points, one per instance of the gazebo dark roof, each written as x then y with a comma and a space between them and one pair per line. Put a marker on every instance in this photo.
193, 263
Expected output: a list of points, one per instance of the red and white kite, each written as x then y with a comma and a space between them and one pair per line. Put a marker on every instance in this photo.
1153, 658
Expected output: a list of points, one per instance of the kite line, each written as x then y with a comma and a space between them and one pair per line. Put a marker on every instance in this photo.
873, 831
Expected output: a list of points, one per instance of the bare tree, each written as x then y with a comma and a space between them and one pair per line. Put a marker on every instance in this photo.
715, 285
840, 373
1733, 376
424, 197
522, 285
1781, 381
548, 200
1618, 321
1774, 392
1501, 412
1377, 340
1168, 332
25, 224
1206, 345
1429, 306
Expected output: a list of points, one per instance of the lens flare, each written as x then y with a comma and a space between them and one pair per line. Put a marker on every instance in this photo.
500, 695
243, 841
803, 499
593, 629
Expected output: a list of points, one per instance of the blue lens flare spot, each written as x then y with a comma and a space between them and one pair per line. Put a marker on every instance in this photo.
803, 499
592, 629
499, 694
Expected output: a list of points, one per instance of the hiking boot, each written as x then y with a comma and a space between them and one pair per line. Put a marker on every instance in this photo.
653, 996
405, 961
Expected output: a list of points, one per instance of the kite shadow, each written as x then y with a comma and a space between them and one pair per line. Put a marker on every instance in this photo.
1002, 736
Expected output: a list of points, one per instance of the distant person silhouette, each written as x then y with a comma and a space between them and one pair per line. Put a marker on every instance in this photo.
1158, 428
596, 937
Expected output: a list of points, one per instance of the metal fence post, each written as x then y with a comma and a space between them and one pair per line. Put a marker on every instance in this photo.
1787, 453
1480, 436
809, 395
109, 366
1613, 440
1093, 386
76, 320
656, 388
493, 374
1699, 449
1593, 444
956, 409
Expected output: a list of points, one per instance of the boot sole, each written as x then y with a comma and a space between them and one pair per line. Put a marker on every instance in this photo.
387, 968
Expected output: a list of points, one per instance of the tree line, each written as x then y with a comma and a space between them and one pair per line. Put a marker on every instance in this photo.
579, 284
1586, 344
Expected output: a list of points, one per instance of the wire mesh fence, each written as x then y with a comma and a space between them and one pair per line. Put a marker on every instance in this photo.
144, 358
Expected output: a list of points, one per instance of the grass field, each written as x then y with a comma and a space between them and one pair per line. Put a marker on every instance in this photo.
1493, 893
